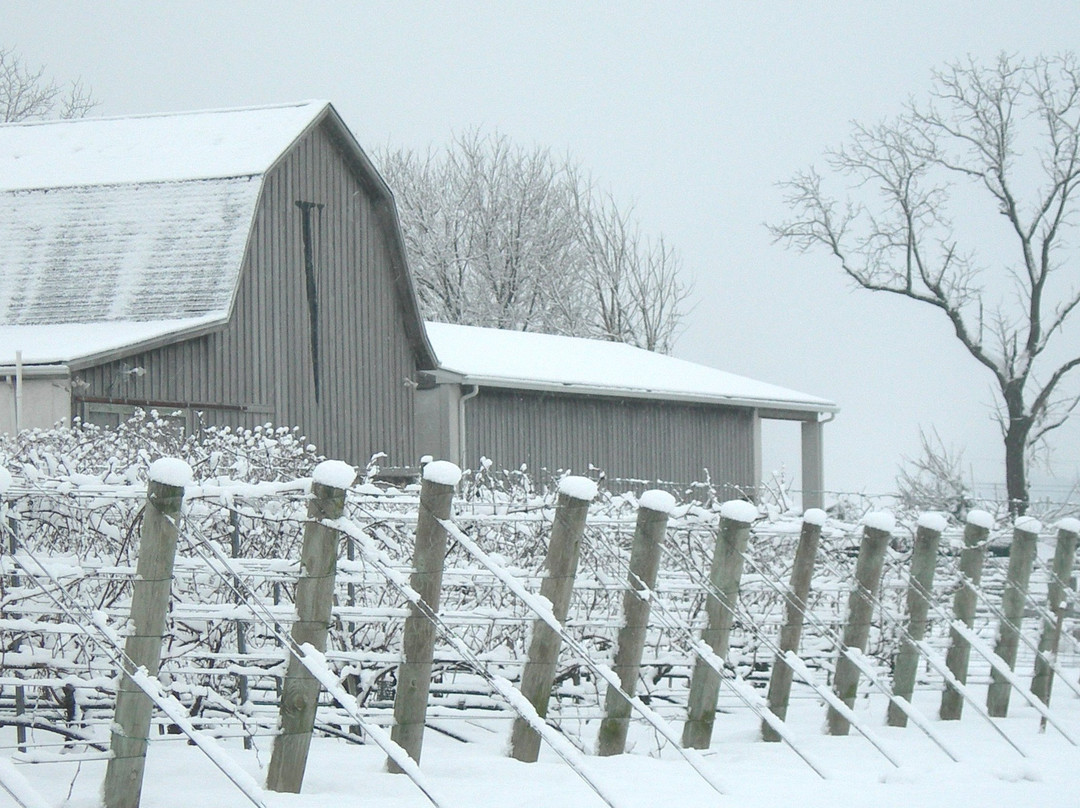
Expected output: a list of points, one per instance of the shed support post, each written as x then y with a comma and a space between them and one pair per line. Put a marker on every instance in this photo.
558, 584
799, 588
813, 465
314, 600
957, 657
149, 609
868, 569
644, 565
724, 576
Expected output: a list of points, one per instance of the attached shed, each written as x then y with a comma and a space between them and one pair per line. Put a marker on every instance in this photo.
555, 402
233, 267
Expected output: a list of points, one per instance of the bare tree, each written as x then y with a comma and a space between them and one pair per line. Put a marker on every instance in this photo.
27, 93
966, 203
507, 237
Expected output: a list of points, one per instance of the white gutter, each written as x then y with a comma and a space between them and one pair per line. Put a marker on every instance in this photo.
819, 405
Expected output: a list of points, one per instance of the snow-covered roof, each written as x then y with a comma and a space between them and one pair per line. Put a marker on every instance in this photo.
168, 147
522, 360
135, 228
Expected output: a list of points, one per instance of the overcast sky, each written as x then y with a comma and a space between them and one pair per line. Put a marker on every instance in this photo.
693, 112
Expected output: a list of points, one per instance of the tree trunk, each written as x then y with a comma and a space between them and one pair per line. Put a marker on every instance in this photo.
1016, 484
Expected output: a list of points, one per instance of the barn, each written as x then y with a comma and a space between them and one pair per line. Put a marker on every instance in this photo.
228, 267
555, 402
238, 267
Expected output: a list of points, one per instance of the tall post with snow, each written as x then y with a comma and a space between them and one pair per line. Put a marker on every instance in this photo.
923, 563
877, 530
736, 516
1021, 560
976, 532
654, 507
560, 567
314, 600
795, 612
1060, 574
149, 608
418, 637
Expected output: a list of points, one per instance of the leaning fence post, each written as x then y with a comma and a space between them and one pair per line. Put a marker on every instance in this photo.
654, 507
976, 531
877, 530
1060, 574
736, 516
418, 636
560, 567
795, 612
241, 633
149, 608
1021, 560
923, 563
12, 525
313, 602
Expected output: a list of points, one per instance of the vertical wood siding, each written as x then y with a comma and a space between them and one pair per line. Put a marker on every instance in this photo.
627, 438
260, 365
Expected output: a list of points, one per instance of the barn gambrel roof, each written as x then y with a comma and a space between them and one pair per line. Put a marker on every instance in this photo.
135, 228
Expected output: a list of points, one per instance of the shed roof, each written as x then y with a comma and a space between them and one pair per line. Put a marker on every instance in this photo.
522, 360
109, 222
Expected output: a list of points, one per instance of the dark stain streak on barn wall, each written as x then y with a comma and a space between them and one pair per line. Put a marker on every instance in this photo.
260, 367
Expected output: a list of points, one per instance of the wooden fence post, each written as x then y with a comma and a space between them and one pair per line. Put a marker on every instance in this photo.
736, 516
976, 532
923, 563
418, 635
560, 567
313, 602
877, 530
241, 631
12, 526
654, 507
1021, 560
1060, 575
798, 589
149, 609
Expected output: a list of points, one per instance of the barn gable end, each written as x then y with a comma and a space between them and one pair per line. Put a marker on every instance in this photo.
319, 327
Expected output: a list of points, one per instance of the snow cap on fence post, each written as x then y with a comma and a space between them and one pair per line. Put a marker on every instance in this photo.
932, 520
578, 488
442, 472
1028, 524
739, 510
814, 516
657, 500
170, 471
980, 518
880, 520
334, 474
1068, 524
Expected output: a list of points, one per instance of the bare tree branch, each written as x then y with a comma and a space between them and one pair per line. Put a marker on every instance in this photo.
26, 93
502, 236
1011, 128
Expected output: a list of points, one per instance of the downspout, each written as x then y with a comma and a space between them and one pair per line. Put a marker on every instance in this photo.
461, 423
18, 391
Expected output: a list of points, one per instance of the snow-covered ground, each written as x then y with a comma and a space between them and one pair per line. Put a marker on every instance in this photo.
477, 773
